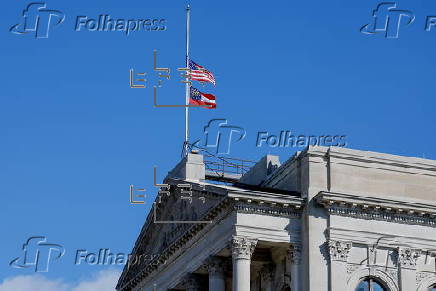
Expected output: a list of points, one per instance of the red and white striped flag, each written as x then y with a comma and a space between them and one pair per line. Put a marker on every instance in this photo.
199, 73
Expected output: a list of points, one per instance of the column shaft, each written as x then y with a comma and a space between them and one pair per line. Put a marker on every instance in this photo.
217, 282
241, 274
242, 249
216, 268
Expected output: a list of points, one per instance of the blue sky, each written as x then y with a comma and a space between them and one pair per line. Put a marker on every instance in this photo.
75, 136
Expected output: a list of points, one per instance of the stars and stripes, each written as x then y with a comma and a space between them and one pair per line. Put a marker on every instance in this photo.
200, 98
199, 73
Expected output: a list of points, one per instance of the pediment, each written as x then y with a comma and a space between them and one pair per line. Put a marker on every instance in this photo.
175, 210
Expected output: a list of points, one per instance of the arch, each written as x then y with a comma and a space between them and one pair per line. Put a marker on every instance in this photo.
380, 275
427, 283
368, 283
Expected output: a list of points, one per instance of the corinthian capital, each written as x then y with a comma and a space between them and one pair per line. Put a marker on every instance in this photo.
339, 250
243, 247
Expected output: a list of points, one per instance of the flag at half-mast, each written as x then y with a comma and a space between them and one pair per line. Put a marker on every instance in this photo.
199, 73
200, 98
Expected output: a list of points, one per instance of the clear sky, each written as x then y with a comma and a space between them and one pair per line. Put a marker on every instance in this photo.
74, 135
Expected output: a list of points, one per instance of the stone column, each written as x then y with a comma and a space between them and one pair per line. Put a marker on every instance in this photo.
191, 282
407, 258
293, 266
242, 249
267, 277
338, 264
216, 269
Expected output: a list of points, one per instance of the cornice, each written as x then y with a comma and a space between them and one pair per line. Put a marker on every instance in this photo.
374, 208
383, 159
267, 203
267, 198
357, 158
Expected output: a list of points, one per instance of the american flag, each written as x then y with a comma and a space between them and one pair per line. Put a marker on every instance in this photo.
199, 73
200, 98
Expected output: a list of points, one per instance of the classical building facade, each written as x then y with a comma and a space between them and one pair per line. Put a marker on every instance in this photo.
327, 219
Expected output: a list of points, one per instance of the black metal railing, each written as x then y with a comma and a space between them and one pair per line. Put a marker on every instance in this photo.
230, 166
221, 167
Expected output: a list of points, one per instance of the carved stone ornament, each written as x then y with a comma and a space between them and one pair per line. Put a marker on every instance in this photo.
407, 257
242, 247
339, 250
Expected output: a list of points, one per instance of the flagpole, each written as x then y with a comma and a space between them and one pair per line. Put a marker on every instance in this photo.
187, 85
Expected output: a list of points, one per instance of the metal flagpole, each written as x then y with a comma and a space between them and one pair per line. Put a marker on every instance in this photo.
187, 93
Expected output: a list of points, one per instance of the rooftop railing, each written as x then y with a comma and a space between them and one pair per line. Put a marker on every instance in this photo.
220, 168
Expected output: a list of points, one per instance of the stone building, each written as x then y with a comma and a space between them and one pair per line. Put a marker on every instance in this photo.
327, 219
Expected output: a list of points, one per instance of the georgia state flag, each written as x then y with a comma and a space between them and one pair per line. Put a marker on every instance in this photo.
200, 98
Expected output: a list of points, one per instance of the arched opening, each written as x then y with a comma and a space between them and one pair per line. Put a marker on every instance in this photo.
371, 284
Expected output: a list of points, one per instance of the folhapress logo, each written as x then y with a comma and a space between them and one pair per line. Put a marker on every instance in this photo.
37, 253
220, 135
38, 19
388, 19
